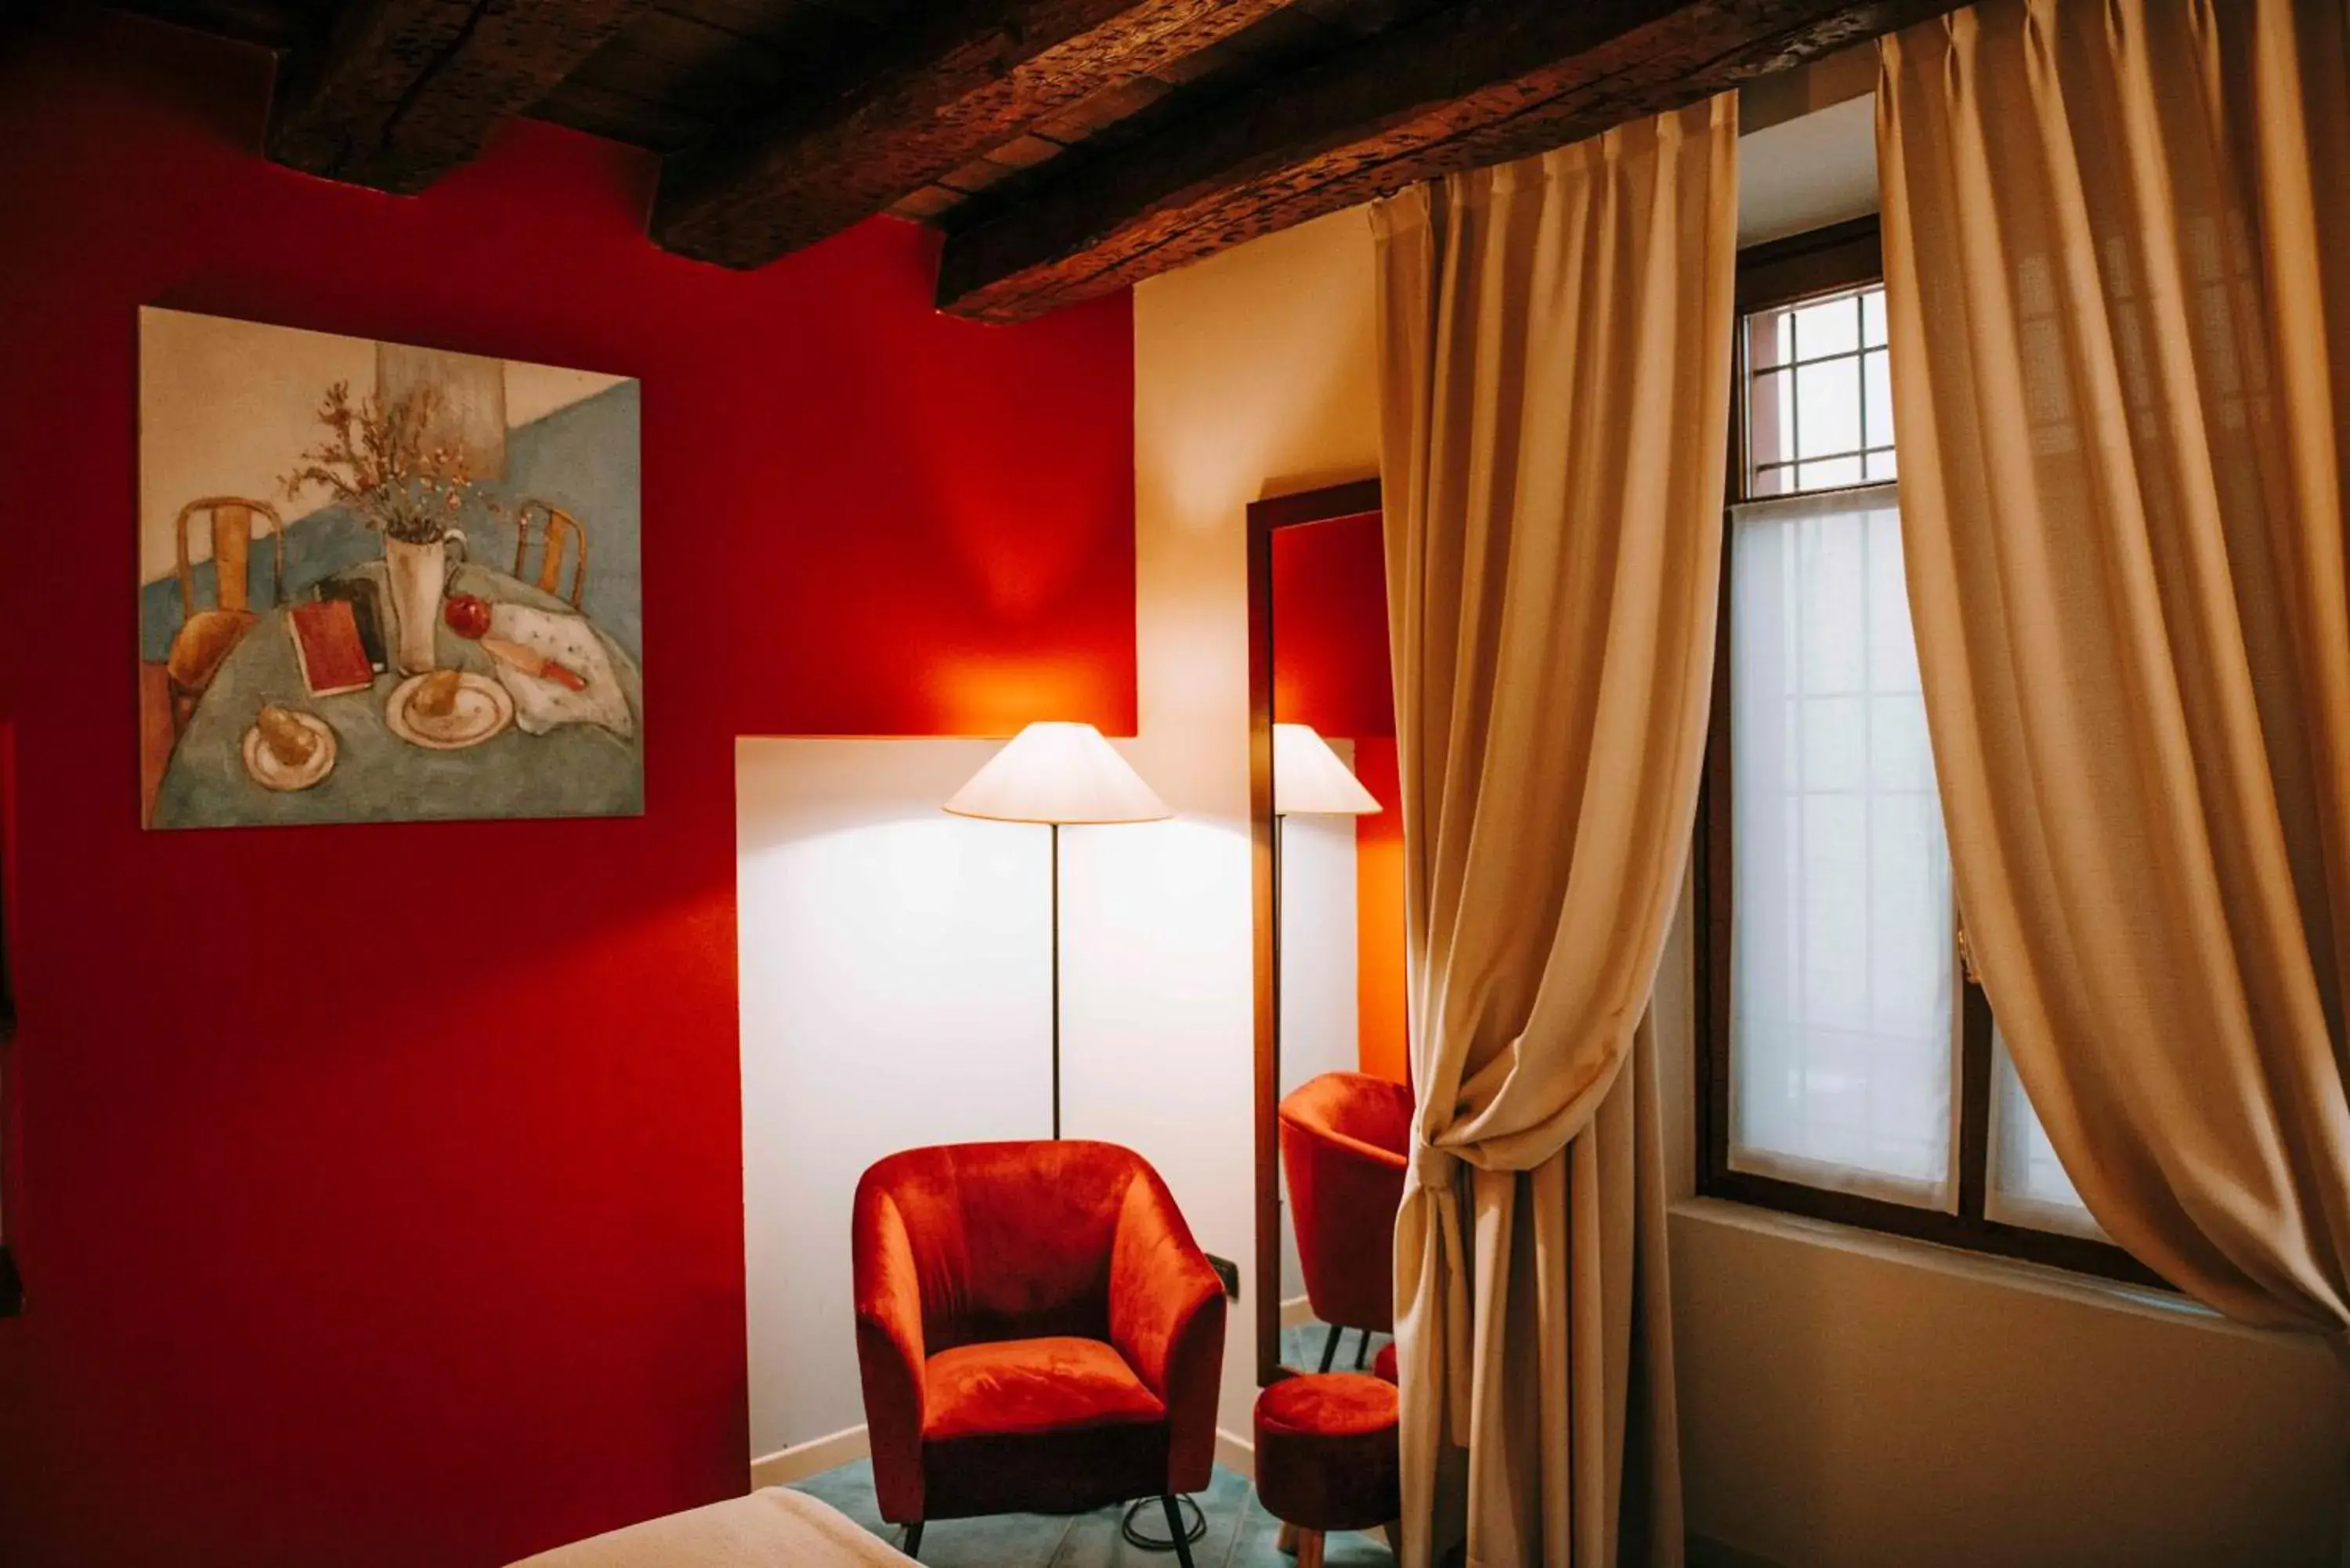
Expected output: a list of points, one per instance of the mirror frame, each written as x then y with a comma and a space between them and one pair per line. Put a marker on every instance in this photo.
1324, 504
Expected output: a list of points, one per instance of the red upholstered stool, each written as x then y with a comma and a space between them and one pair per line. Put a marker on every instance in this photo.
1326, 1457
1383, 1364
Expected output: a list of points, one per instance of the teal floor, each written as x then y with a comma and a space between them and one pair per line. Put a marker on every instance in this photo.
1301, 1346
1241, 1534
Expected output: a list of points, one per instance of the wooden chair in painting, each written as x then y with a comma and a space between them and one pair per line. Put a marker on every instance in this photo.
206, 636
559, 529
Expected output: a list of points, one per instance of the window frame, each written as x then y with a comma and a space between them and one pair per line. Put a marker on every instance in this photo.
1773, 276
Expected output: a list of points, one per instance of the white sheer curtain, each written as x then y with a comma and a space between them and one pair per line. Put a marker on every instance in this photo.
2028, 1185
1844, 952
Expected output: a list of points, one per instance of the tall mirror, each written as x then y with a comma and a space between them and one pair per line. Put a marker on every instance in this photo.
1333, 1101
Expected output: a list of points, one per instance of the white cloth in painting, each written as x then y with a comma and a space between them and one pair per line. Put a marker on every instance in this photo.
542, 703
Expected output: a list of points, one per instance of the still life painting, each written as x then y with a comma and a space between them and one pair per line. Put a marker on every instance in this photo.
380, 583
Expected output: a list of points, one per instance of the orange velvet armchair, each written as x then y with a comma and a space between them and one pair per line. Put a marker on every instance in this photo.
1037, 1333
1345, 1138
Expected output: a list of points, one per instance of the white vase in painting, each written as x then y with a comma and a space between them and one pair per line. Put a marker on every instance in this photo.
418, 575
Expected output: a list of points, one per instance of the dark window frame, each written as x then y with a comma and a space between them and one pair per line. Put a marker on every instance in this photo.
1824, 262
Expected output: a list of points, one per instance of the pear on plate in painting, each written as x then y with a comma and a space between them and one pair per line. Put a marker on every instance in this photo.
288, 738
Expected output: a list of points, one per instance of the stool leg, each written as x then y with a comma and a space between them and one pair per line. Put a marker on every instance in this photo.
1176, 1532
1288, 1542
1330, 1345
913, 1538
1362, 1350
1309, 1549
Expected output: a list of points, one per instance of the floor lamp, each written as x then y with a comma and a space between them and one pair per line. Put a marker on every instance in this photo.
1061, 775
1308, 780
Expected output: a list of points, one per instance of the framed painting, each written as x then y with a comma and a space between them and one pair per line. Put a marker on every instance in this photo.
379, 583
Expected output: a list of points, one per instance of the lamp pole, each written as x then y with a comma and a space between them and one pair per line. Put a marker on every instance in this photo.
1056, 773
1055, 829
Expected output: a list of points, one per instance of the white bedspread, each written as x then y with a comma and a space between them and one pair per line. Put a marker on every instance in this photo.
767, 1529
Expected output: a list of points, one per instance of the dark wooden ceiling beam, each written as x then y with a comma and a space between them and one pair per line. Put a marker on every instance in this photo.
986, 74
397, 92
1484, 82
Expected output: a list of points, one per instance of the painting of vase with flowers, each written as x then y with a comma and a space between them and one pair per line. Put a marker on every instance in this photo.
382, 583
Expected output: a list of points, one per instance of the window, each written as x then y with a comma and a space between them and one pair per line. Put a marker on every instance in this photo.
1850, 1070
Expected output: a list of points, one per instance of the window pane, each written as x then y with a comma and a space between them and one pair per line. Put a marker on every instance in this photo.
1831, 327
2028, 1184
1770, 420
1769, 338
1878, 399
1841, 1007
1827, 398
1817, 395
1830, 475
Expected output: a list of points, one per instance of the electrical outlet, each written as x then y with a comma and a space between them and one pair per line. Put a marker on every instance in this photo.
1228, 1271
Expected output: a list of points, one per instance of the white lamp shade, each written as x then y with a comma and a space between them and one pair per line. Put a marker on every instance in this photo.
1309, 779
1061, 774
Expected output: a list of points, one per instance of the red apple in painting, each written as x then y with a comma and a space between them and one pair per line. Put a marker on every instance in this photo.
468, 615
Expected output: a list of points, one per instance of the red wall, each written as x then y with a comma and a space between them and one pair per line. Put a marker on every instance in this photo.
379, 1194
1330, 670
1330, 628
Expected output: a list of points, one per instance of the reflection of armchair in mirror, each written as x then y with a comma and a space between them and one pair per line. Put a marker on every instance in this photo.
1333, 1105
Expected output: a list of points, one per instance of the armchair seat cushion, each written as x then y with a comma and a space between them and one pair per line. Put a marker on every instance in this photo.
1013, 1386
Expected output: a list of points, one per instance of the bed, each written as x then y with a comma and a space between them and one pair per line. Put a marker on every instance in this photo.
766, 1528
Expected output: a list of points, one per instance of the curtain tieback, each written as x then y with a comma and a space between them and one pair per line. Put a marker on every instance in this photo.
1446, 1328
1432, 1166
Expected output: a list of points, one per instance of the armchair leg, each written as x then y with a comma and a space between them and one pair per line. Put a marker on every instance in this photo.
1177, 1531
1309, 1549
1330, 1346
1288, 1544
913, 1539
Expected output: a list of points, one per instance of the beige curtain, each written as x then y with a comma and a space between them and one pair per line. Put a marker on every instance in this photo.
2117, 257
1555, 381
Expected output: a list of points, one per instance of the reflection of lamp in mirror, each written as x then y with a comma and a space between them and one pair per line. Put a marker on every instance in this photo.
1059, 774
1309, 779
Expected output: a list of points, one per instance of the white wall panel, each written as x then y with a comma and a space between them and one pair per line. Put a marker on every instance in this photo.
895, 988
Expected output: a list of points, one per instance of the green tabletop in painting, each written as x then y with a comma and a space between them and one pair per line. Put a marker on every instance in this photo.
575, 770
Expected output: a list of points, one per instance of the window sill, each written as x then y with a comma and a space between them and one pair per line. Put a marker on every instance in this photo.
1981, 1268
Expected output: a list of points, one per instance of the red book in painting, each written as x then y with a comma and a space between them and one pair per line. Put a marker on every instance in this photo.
327, 645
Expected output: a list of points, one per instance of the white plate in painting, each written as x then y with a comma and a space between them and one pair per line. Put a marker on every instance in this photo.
270, 773
482, 709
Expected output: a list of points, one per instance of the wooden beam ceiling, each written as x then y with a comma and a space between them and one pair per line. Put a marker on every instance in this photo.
1068, 148
1481, 83
397, 92
978, 80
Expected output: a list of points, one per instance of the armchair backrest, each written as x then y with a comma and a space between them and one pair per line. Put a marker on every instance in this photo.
1345, 1139
1356, 1106
1010, 1241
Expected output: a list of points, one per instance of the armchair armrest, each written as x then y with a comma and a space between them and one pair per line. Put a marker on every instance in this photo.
1166, 1319
889, 1356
